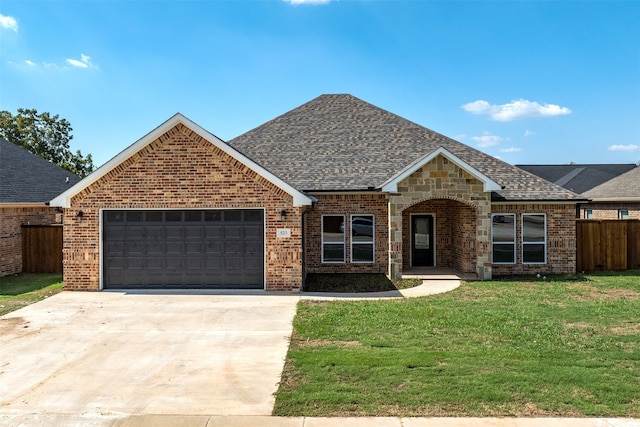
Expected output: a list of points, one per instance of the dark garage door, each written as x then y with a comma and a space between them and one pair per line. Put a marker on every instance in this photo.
210, 249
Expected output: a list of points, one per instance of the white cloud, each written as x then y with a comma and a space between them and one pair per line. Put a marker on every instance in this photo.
630, 147
488, 140
511, 150
30, 63
8, 22
529, 132
299, 2
83, 62
518, 109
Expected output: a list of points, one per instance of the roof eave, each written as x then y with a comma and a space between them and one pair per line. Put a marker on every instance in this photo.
616, 199
23, 204
391, 186
64, 199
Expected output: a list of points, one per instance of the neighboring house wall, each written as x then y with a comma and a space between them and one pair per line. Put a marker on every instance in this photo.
181, 170
347, 205
11, 219
442, 179
560, 239
609, 210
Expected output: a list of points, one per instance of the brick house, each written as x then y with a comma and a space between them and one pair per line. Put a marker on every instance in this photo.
335, 185
27, 183
612, 190
617, 198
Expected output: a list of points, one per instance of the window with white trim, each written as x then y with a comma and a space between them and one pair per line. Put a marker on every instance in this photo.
362, 238
534, 238
503, 238
333, 243
588, 213
623, 214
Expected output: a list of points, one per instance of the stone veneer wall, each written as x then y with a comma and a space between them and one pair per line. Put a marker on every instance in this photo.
11, 220
561, 239
610, 210
442, 179
347, 204
455, 233
181, 170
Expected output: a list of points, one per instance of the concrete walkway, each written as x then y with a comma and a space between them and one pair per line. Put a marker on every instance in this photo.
428, 287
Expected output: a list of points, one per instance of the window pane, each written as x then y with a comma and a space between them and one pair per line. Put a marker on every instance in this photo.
154, 216
533, 253
213, 215
333, 229
112, 216
503, 228
623, 214
362, 228
503, 253
233, 215
588, 214
253, 216
362, 252
173, 216
333, 253
193, 216
134, 216
533, 228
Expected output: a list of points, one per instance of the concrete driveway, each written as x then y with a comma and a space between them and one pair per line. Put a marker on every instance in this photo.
103, 354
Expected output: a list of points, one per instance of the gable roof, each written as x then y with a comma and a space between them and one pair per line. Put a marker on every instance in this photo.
392, 184
578, 178
64, 199
341, 143
625, 187
29, 179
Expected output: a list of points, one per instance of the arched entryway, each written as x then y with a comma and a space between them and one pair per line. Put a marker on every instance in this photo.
439, 233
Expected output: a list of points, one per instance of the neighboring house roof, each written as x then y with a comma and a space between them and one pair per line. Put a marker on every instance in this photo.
625, 187
29, 179
64, 199
578, 178
341, 143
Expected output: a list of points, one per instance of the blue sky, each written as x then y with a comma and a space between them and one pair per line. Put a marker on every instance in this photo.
526, 81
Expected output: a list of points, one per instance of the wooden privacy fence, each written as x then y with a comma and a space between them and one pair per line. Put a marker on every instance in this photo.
42, 248
608, 244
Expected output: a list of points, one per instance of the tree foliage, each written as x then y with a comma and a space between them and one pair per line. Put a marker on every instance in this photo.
46, 136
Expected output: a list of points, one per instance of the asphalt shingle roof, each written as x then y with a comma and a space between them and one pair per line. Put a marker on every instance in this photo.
578, 178
341, 143
625, 186
27, 178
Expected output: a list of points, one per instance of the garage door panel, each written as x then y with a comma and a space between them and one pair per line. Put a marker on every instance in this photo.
173, 232
233, 232
183, 248
155, 263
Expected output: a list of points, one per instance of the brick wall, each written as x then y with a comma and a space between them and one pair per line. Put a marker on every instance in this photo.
441, 179
561, 239
11, 234
610, 210
347, 204
182, 170
455, 232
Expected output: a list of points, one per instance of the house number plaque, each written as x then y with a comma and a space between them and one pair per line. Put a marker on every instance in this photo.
283, 232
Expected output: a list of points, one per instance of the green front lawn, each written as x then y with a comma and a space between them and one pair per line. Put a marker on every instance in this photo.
527, 347
17, 291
